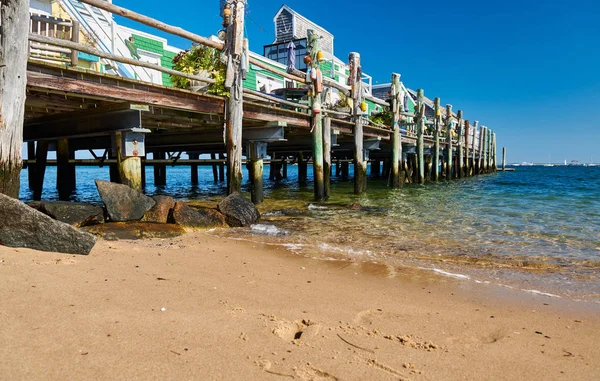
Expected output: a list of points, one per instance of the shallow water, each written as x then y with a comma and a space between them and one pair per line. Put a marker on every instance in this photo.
536, 229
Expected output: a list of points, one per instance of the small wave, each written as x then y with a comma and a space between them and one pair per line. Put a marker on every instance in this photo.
542, 293
267, 229
274, 213
317, 207
446, 273
345, 250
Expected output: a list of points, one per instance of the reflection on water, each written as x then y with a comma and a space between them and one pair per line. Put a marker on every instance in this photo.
537, 225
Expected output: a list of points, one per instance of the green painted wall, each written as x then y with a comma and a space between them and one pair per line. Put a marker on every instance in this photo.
157, 47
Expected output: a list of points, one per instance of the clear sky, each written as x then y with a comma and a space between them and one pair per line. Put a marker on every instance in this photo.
527, 69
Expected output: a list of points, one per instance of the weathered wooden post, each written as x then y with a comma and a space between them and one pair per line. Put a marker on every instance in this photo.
397, 108
485, 149
221, 168
490, 151
474, 149
160, 170
420, 132
31, 167
460, 168
317, 116
449, 153
235, 104
65, 171
495, 154
14, 29
75, 38
467, 153
284, 167
360, 164
130, 167
256, 156
436, 141
41, 158
302, 168
480, 160
194, 167
503, 159
327, 157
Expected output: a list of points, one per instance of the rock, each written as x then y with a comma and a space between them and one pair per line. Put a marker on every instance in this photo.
135, 230
160, 211
238, 210
23, 226
122, 202
77, 214
187, 216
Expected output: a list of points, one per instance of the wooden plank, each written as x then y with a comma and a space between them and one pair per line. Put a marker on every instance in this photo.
170, 99
14, 21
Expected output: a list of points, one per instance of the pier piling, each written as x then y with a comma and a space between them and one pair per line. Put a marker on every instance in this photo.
420, 132
397, 107
326, 157
436, 142
256, 172
461, 153
449, 153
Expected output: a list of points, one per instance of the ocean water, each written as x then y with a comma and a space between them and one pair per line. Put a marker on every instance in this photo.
536, 229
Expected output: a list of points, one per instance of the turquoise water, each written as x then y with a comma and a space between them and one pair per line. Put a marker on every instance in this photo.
537, 228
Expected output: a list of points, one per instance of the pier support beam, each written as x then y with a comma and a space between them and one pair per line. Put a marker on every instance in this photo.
466, 145
221, 168
130, 168
397, 107
302, 168
345, 170
436, 140
65, 172
31, 168
449, 153
41, 158
326, 156
460, 168
13, 78
235, 103
420, 132
256, 171
194, 168
160, 170
503, 159
360, 164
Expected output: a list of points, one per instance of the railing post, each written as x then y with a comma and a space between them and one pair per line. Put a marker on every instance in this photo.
397, 108
75, 39
235, 103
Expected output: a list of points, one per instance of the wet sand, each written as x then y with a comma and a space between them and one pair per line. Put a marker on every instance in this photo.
207, 308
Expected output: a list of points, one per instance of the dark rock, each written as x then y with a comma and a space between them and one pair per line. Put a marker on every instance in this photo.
204, 218
77, 214
160, 211
37, 205
135, 230
238, 210
122, 202
23, 226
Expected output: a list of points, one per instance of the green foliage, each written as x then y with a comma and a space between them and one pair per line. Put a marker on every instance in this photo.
385, 117
200, 58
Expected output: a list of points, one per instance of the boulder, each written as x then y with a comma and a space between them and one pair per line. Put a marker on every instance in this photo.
23, 226
204, 218
77, 214
160, 211
238, 210
122, 202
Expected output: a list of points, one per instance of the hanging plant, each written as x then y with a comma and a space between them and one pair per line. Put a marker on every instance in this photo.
200, 60
385, 117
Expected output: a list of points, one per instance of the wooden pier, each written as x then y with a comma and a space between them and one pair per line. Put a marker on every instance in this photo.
68, 109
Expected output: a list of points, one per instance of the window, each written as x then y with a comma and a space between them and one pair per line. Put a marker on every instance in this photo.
279, 52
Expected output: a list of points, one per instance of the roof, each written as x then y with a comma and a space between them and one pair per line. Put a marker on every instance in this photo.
298, 15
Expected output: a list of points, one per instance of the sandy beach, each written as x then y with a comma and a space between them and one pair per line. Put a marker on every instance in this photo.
197, 307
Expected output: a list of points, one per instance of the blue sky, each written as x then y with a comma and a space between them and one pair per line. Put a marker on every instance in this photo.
529, 70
